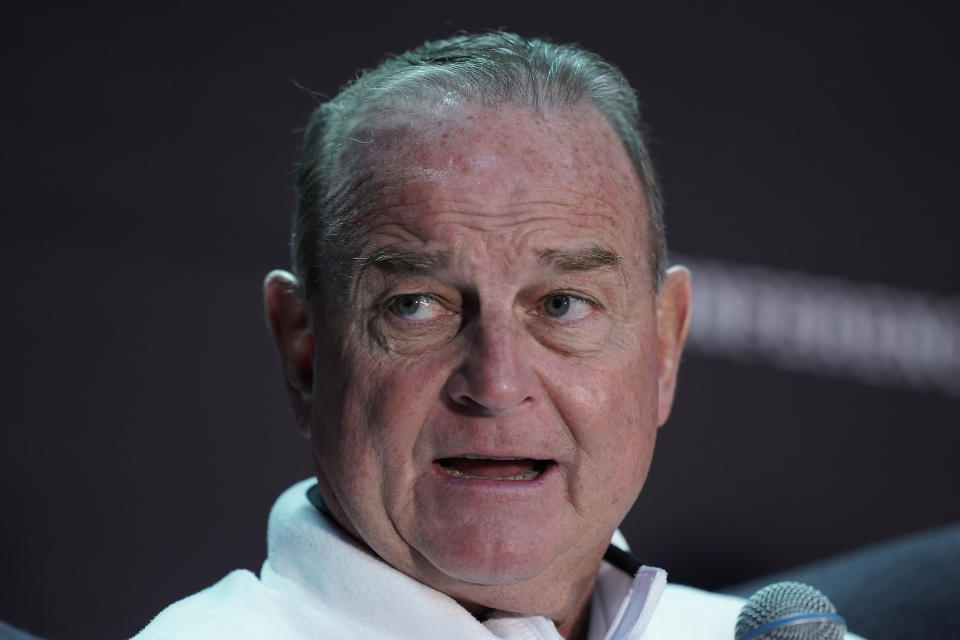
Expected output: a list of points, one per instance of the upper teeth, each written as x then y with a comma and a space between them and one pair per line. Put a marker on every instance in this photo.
471, 456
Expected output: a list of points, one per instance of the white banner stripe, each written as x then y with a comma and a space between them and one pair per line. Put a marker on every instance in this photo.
823, 325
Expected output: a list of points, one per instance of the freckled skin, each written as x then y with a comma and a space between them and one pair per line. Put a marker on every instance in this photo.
487, 370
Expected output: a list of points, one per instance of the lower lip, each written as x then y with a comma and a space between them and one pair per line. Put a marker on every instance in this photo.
491, 483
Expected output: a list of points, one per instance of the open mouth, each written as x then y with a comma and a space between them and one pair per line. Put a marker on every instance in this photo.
494, 468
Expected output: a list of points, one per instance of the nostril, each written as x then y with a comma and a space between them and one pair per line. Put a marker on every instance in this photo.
468, 405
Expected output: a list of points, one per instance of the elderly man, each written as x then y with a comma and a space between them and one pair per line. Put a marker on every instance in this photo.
481, 342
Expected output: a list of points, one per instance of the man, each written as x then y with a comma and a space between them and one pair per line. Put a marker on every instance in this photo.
481, 342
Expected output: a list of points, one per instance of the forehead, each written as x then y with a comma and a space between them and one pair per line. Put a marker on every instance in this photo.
443, 175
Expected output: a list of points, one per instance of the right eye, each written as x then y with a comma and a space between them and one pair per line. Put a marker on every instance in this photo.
417, 307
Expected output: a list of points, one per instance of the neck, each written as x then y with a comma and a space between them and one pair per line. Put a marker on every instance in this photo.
576, 629
572, 623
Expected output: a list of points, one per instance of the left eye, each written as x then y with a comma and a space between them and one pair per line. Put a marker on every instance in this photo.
567, 307
416, 306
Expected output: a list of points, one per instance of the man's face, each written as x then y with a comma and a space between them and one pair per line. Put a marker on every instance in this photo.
485, 403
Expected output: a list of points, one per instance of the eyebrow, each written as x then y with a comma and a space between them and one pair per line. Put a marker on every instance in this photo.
564, 260
401, 261
586, 259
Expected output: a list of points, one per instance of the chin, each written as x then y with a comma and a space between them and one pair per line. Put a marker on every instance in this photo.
492, 557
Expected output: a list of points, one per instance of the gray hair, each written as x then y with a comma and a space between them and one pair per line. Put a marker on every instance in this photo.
488, 69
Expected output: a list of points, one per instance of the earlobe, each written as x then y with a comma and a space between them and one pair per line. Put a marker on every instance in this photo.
673, 323
289, 322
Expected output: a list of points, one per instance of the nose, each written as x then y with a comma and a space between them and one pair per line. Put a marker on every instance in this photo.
496, 376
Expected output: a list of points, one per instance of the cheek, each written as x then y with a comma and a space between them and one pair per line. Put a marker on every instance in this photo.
611, 412
385, 403
618, 393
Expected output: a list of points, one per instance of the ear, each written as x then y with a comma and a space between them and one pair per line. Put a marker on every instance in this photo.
293, 338
673, 323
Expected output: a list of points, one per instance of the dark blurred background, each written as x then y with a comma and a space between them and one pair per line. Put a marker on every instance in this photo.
146, 169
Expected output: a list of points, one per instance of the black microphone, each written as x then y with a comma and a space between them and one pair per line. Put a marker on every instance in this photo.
789, 611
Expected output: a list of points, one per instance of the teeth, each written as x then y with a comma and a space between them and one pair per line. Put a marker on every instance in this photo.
533, 474
470, 456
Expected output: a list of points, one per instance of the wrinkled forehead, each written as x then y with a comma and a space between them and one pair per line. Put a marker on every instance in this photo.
462, 137
504, 154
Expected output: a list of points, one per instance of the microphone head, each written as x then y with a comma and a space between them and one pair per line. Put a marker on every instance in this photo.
789, 611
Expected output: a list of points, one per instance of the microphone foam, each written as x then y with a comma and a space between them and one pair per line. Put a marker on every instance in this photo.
789, 611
